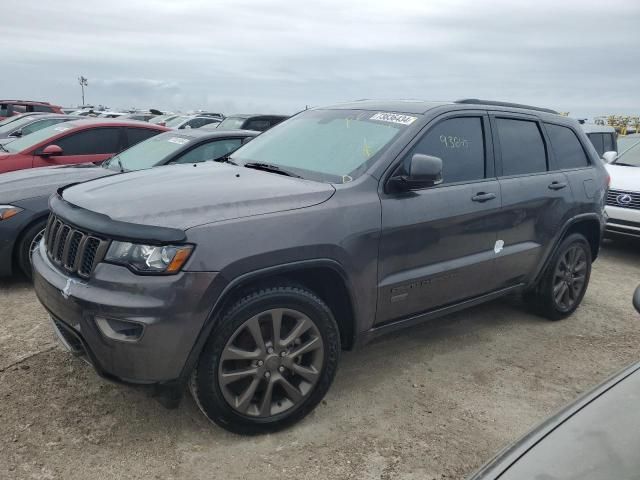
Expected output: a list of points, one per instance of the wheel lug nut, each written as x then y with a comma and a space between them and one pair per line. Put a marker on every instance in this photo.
270, 350
283, 353
267, 374
281, 369
260, 363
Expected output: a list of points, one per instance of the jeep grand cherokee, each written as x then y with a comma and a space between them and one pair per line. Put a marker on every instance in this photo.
245, 279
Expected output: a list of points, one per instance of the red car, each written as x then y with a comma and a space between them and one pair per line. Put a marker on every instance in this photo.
79, 141
9, 108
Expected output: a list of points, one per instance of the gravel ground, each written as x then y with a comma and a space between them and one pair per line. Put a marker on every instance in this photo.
433, 402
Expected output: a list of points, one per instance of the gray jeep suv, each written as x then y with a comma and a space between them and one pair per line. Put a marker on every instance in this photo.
245, 279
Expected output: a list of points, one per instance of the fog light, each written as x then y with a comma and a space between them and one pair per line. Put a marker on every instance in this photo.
121, 330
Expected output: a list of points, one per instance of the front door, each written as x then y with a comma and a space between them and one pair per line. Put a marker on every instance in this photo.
90, 145
438, 244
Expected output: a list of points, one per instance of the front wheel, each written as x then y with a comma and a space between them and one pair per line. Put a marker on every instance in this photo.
269, 362
28, 244
565, 281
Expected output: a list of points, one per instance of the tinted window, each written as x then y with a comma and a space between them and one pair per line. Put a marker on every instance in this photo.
598, 142
522, 147
210, 151
566, 146
608, 142
41, 108
259, 125
136, 135
35, 126
459, 142
91, 142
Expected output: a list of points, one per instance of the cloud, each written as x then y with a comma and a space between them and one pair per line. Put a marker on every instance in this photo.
279, 55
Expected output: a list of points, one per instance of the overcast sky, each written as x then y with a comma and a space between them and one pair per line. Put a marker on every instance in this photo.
278, 56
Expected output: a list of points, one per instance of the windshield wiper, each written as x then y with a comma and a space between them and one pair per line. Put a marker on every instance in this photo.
225, 159
4, 149
267, 167
108, 163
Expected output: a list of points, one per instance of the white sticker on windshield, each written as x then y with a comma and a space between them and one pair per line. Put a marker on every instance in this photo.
61, 128
394, 118
178, 140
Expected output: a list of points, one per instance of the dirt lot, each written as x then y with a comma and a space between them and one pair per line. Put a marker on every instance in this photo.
434, 402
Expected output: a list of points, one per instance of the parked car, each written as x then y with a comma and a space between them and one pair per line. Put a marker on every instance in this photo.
603, 137
20, 116
24, 194
623, 198
192, 121
339, 225
259, 123
79, 141
32, 123
9, 108
163, 119
594, 438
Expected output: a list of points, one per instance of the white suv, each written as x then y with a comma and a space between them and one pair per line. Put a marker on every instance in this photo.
623, 199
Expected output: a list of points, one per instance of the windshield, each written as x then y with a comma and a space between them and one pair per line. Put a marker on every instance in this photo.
231, 123
148, 153
10, 127
630, 155
34, 138
174, 122
326, 145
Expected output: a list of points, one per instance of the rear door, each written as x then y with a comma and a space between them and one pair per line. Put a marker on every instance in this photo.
89, 145
535, 199
136, 135
437, 244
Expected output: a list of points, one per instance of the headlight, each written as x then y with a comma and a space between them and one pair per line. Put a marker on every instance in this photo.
8, 211
149, 258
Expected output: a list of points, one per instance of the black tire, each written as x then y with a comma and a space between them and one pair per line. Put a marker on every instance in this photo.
205, 382
543, 298
23, 250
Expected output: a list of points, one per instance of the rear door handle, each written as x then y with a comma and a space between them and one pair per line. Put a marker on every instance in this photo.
483, 197
557, 185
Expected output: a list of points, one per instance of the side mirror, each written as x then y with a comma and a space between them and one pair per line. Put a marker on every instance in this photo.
636, 299
609, 157
51, 151
16, 134
424, 171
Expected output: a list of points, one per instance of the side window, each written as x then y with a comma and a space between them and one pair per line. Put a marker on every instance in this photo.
459, 142
91, 142
4, 109
196, 122
35, 126
522, 147
42, 108
210, 151
259, 125
566, 146
136, 135
598, 142
608, 143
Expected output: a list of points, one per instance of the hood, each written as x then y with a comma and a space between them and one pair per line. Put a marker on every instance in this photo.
184, 196
37, 182
624, 178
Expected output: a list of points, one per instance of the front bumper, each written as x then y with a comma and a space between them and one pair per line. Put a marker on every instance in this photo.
623, 221
171, 309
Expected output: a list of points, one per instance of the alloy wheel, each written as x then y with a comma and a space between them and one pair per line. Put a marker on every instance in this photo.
569, 277
271, 363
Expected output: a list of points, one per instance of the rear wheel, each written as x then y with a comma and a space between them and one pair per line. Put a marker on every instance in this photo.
28, 244
565, 281
269, 362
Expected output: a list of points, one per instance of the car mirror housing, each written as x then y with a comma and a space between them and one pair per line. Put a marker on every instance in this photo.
51, 151
609, 157
16, 134
424, 171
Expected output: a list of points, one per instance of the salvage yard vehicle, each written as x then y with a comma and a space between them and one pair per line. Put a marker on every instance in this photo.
259, 123
332, 228
182, 122
79, 141
9, 108
32, 123
623, 198
24, 194
594, 438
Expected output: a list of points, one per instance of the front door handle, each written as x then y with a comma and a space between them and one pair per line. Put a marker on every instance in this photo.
557, 185
483, 197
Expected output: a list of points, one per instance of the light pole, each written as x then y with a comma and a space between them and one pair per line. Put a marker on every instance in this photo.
83, 83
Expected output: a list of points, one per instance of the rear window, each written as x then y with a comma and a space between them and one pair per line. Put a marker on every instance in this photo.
566, 147
231, 123
522, 147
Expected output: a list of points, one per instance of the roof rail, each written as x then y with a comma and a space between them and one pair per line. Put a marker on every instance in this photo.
476, 101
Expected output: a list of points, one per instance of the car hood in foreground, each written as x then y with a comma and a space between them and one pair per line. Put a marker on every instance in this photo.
624, 178
184, 196
38, 182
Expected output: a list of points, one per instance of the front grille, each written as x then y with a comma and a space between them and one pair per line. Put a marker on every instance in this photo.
71, 249
623, 199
